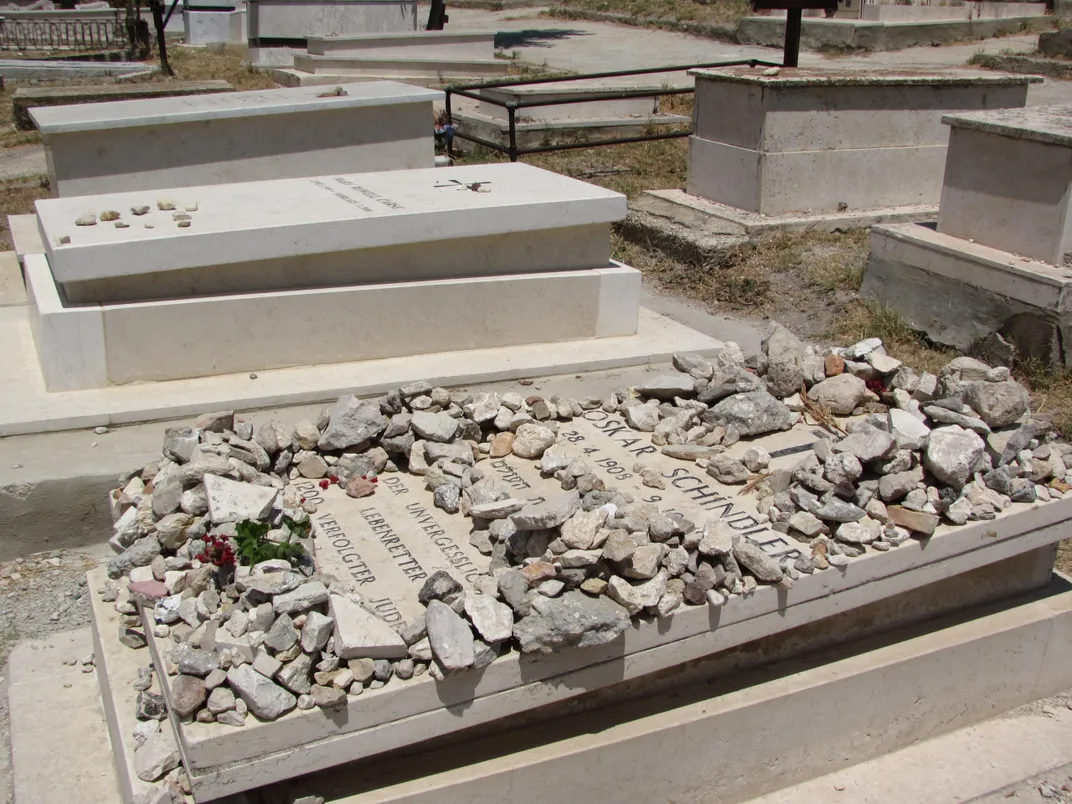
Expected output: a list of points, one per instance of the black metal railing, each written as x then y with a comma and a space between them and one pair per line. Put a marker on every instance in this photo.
53, 33
512, 107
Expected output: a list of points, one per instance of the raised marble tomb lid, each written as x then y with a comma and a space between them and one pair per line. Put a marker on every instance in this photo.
237, 223
193, 108
794, 77
1048, 124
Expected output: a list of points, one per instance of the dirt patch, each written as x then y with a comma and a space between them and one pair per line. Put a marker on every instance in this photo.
17, 198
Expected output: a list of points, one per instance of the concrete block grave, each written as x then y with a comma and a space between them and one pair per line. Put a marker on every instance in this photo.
995, 271
235, 137
460, 559
791, 149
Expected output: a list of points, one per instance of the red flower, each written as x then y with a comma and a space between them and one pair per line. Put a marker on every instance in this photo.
217, 552
325, 483
876, 386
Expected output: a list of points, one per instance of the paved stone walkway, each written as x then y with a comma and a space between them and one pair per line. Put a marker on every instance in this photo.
22, 161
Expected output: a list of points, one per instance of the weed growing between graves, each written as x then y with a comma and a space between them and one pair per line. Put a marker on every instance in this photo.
17, 198
226, 63
10, 136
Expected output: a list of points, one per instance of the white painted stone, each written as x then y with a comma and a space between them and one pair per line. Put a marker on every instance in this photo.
360, 635
214, 27
200, 140
230, 501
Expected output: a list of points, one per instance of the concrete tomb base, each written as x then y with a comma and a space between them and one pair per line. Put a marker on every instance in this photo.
61, 737
961, 293
823, 140
235, 137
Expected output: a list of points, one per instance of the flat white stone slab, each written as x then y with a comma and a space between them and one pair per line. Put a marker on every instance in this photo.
273, 220
26, 407
377, 542
257, 103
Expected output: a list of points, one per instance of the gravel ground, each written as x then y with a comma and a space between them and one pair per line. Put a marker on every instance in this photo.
39, 595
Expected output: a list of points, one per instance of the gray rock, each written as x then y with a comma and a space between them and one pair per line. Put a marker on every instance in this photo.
999, 404
532, 440
514, 588
447, 497
552, 512
895, 486
274, 583
450, 637
636, 597
753, 559
692, 364
494, 621
187, 695
439, 586
296, 676
305, 597
220, 700
353, 423
644, 418
327, 697
952, 454
198, 663
718, 538
842, 468
573, 620
179, 444
264, 698
839, 395
436, 427
316, 632
690, 452
835, 510
667, 386
806, 523
282, 635
753, 413
866, 445
139, 554
167, 494
231, 718
157, 756
727, 470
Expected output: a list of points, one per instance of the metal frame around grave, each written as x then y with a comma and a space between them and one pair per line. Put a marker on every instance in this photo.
472, 91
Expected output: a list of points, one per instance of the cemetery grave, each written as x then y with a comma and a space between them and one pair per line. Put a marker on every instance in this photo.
484, 550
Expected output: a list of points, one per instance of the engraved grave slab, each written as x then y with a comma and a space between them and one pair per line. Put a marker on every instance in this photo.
385, 545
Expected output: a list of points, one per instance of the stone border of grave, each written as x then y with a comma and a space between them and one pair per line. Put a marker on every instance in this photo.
214, 536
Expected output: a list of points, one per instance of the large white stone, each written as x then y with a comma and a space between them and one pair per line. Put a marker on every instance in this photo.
256, 135
230, 501
360, 635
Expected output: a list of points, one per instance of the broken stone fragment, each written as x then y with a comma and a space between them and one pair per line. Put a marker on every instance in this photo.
532, 440
187, 695
494, 621
552, 512
952, 454
86, 219
840, 394
157, 756
264, 698
353, 422
361, 635
450, 637
140, 210
229, 501
573, 620
750, 556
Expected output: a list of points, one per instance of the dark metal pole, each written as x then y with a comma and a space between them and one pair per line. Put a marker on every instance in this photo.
156, 7
450, 122
511, 113
793, 18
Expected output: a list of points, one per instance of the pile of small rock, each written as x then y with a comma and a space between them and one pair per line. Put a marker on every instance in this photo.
570, 570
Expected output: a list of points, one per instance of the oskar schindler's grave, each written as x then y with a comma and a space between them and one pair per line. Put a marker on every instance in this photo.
148, 285
412, 565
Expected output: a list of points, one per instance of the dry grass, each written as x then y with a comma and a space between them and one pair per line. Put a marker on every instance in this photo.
17, 198
225, 63
10, 136
718, 12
